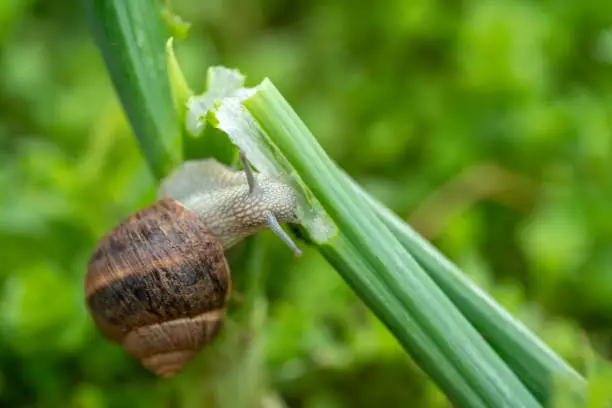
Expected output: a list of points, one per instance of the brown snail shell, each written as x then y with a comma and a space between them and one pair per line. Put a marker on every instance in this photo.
158, 283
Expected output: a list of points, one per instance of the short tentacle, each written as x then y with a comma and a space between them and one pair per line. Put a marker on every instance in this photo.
248, 171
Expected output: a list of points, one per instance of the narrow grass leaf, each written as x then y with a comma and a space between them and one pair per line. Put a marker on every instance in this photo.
178, 84
131, 36
538, 366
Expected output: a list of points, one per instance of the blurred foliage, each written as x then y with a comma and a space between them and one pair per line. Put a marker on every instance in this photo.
485, 123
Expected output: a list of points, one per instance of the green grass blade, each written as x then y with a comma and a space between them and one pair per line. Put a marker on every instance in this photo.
346, 259
378, 267
132, 36
538, 366
178, 84
535, 363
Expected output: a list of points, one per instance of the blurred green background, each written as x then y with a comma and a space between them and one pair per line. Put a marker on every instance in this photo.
486, 124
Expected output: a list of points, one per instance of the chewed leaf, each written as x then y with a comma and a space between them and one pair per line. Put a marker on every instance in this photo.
221, 107
221, 83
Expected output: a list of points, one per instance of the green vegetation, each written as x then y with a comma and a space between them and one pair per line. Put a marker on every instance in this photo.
484, 125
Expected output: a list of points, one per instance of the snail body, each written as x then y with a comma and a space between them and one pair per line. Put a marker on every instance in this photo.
158, 283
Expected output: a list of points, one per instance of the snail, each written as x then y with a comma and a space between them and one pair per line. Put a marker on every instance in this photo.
158, 283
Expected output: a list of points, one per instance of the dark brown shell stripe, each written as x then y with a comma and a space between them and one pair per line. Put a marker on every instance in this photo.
161, 263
